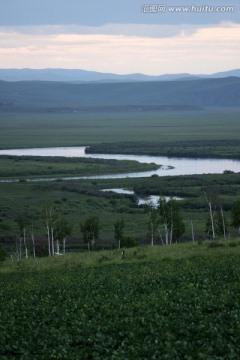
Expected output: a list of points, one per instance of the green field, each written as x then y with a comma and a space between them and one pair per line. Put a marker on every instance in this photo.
178, 302
77, 200
36, 166
209, 132
40, 130
161, 302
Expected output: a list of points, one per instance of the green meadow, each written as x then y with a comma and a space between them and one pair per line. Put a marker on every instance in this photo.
178, 302
210, 132
155, 302
74, 129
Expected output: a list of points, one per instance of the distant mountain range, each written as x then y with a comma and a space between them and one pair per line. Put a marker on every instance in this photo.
140, 96
68, 75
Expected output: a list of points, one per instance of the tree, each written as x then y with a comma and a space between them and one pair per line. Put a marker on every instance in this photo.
216, 222
32, 234
235, 215
62, 230
22, 223
50, 217
153, 219
118, 231
210, 197
90, 231
171, 219
219, 229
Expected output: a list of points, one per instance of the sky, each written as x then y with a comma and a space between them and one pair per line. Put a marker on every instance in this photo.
121, 36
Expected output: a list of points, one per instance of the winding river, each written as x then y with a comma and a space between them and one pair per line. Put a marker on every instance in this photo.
169, 166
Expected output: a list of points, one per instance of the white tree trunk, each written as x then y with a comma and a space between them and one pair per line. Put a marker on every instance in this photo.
166, 234
211, 216
211, 213
193, 237
161, 236
52, 240
64, 245
152, 231
57, 248
49, 239
33, 241
223, 222
25, 244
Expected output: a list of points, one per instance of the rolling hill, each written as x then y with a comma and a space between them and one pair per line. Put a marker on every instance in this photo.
61, 95
78, 75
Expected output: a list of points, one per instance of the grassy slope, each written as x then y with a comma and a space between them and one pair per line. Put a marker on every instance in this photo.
180, 302
203, 92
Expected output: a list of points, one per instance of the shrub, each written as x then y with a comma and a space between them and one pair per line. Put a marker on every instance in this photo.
129, 242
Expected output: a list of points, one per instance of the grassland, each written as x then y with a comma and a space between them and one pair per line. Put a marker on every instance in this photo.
36, 166
77, 200
40, 130
178, 302
145, 132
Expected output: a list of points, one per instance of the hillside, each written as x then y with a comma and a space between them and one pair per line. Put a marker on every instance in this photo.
84, 75
201, 93
177, 302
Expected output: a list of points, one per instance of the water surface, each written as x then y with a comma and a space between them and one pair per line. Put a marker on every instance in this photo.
169, 166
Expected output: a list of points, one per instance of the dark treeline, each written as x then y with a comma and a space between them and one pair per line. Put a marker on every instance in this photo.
221, 149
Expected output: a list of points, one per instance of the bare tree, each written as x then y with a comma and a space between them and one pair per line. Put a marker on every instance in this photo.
50, 217
210, 197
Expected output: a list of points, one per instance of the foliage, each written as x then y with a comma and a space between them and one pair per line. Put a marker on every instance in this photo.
153, 220
171, 219
119, 231
129, 242
90, 230
169, 309
236, 214
219, 224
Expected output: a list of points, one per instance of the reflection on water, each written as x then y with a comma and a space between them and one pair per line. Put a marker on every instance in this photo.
120, 191
181, 166
152, 199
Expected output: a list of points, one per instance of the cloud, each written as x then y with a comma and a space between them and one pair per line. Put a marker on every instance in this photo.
124, 49
142, 30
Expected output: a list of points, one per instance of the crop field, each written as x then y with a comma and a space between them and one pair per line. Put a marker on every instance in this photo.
74, 129
180, 302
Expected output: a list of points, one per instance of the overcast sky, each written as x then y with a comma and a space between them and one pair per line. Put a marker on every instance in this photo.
121, 36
